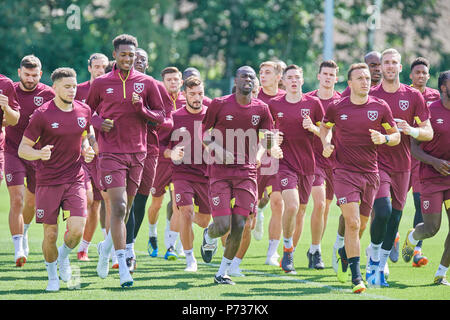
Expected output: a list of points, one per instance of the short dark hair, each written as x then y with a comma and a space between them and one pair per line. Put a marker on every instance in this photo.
170, 70
328, 64
63, 73
292, 67
95, 56
30, 62
419, 61
356, 66
443, 77
191, 71
124, 39
191, 82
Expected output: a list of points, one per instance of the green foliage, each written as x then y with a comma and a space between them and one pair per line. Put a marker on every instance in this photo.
215, 36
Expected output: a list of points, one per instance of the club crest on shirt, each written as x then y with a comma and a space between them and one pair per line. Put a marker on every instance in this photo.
403, 104
138, 87
426, 204
305, 113
372, 115
216, 201
81, 122
38, 101
40, 213
255, 119
108, 179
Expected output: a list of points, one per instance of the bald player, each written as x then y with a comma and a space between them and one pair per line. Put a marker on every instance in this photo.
434, 172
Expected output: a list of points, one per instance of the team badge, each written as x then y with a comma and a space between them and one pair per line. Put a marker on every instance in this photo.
38, 101
108, 179
305, 113
426, 204
284, 182
280, 114
342, 200
81, 122
216, 201
152, 190
403, 104
255, 119
138, 87
372, 115
177, 197
9, 177
40, 213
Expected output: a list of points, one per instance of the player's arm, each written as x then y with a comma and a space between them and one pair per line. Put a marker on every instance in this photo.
326, 133
10, 115
156, 116
28, 152
310, 126
392, 138
424, 131
440, 165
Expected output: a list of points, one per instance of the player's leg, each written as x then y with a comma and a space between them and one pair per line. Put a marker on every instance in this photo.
318, 194
16, 201
245, 244
153, 214
29, 211
350, 253
93, 209
50, 253
291, 206
275, 227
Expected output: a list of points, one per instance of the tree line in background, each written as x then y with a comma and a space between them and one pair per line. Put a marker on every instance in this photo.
215, 36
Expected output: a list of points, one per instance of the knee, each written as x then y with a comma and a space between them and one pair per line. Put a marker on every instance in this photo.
352, 225
431, 228
17, 203
276, 205
51, 236
187, 214
119, 207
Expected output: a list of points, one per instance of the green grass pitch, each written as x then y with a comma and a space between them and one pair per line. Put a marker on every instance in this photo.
159, 279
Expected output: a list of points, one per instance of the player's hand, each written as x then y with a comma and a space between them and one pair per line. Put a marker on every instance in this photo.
107, 125
276, 152
279, 137
377, 137
441, 166
308, 124
135, 98
327, 150
177, 153
46, 152
403, 126
3, 101
89, 154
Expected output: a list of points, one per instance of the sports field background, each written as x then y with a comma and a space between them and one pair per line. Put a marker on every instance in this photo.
159, 279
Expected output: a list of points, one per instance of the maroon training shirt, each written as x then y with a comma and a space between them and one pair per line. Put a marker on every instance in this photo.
49, 125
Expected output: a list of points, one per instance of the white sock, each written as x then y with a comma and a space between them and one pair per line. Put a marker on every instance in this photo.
374, 252
441, 271
314, 247
25, 228
107, 244
153, 230
189, 255
104, 233
18, 242
130, 250
273, 246
121, 260
235, 263
260, 212
84, 246
224, 266
172, 238
64, 251
411, 239
384, 255
52, 270
339, 241
288, 242
166, 234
